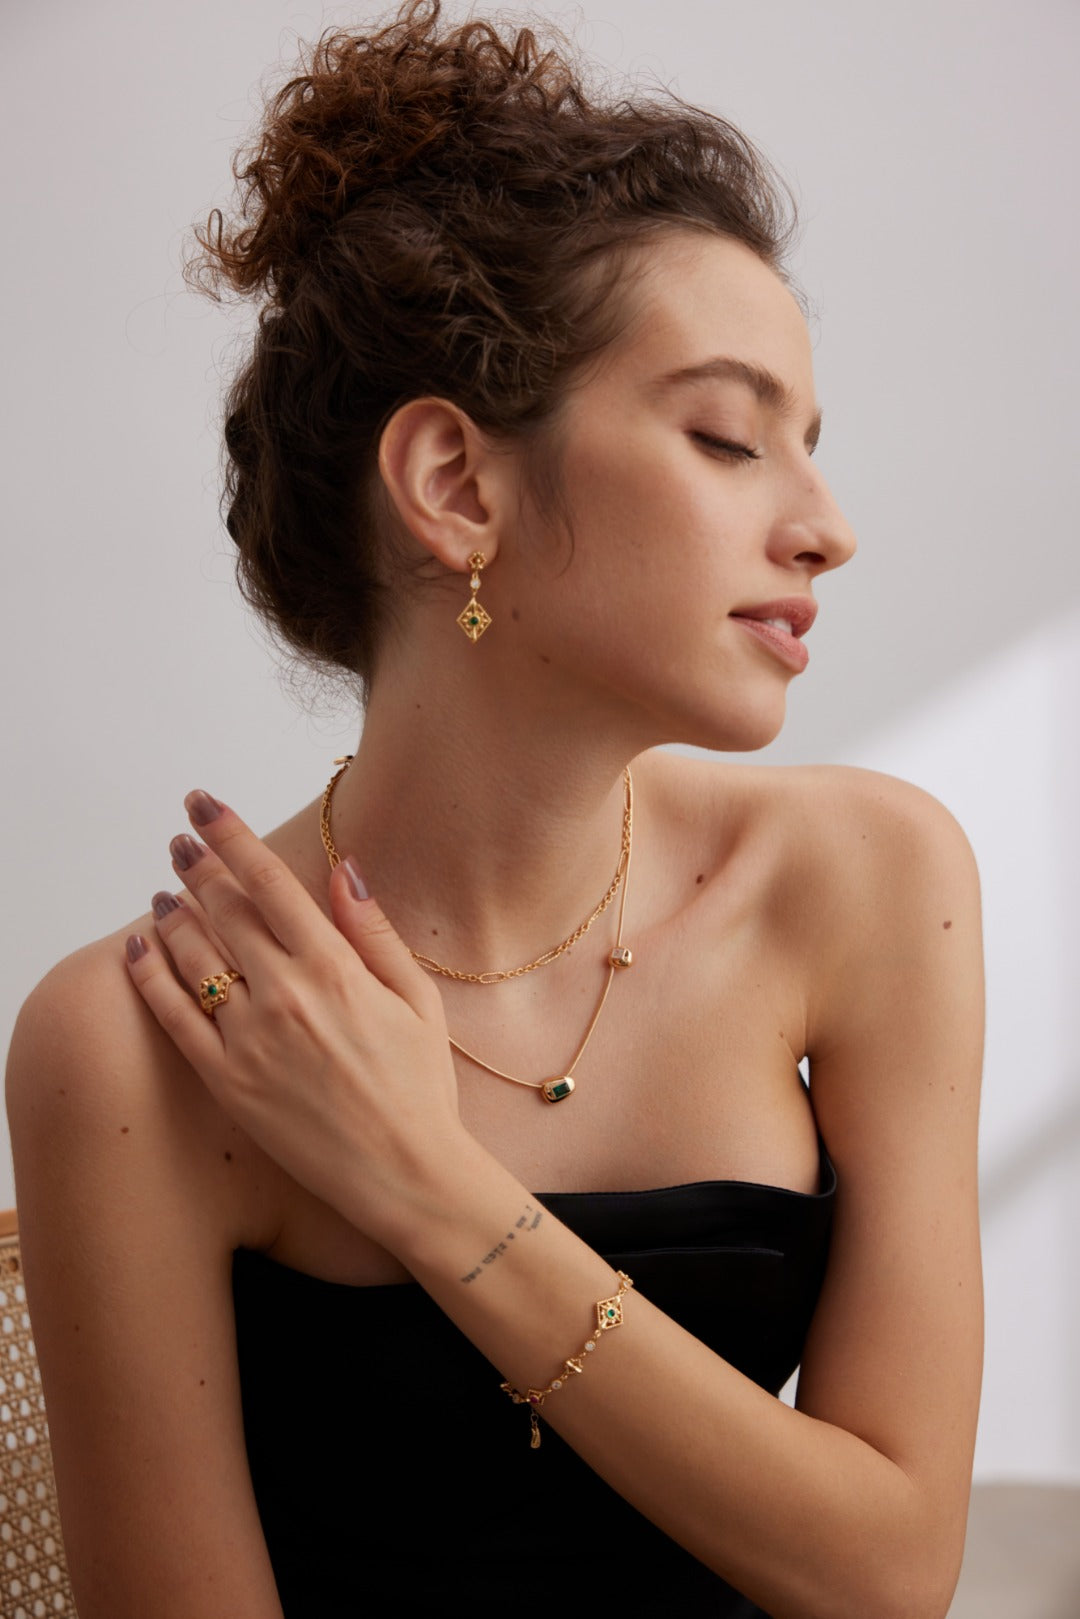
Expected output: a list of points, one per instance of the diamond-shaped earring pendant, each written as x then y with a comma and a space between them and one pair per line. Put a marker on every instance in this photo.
473, 618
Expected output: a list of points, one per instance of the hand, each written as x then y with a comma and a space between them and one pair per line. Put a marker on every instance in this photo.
332, 1049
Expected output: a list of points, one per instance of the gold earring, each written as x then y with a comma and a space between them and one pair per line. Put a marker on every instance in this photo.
473, 618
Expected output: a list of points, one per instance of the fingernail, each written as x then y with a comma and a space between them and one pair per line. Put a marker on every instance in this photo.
185, 851
163, 903
202, 808
356, 882
136, 947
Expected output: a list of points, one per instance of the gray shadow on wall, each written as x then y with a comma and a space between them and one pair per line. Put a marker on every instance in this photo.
1051, 1149
1056, 1139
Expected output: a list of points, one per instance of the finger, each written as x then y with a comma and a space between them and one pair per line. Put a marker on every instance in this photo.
364, 924
183, 934
268, 890
228, 913
193, 1033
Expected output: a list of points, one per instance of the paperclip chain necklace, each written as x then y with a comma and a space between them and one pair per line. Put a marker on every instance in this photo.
497, 976
559, 1086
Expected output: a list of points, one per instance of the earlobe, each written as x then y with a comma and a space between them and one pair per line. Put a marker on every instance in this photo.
434, 464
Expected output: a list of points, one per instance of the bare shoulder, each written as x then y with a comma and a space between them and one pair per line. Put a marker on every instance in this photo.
865, 892
849, 819
882, 884
829, 832
873, 882
845, 806
92, 1081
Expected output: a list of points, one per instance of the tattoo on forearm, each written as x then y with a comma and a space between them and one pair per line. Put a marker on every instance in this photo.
526, 1222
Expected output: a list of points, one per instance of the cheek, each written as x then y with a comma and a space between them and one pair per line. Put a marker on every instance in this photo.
642, 505
659, 556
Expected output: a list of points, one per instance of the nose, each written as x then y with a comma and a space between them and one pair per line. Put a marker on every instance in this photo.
813, 532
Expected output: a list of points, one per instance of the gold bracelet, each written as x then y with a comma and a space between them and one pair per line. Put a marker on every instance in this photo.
608, 1316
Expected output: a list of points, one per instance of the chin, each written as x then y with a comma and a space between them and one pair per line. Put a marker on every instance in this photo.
746, 731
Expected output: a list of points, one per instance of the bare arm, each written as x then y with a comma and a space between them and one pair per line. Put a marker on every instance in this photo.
855, 1503
124, 1209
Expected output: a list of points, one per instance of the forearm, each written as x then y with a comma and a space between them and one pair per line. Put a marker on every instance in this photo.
802, 1516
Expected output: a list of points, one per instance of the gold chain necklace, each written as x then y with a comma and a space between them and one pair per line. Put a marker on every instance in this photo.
559, 1086
496, 976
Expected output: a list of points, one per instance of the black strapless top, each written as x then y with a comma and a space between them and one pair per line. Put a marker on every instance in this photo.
392, 1473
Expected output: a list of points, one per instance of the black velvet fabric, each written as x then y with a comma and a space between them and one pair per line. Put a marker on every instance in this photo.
391, 1472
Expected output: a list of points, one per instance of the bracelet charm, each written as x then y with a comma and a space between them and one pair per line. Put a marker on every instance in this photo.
609, 1315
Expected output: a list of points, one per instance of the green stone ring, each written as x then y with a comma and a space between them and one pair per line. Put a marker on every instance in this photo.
214, 991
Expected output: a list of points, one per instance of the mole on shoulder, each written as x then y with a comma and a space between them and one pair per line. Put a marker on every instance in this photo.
946, 924
228, 1157
700, 878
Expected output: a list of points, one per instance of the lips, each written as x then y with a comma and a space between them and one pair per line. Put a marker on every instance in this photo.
777, 625
798, 612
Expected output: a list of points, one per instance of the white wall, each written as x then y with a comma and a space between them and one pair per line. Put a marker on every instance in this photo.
930, 146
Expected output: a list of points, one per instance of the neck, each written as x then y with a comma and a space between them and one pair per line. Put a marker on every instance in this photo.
487, 839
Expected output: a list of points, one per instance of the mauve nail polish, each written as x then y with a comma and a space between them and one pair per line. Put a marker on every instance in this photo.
201, 807
163, 903
136, 947
185, 851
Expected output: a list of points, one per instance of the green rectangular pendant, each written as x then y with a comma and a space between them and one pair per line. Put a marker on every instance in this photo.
556, 1090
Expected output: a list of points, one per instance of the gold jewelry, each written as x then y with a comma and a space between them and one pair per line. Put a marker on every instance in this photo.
499, 975
214, 991
559, 1086
608, 1317
473, 618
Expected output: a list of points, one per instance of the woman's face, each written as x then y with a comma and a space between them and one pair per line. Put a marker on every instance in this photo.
687, 475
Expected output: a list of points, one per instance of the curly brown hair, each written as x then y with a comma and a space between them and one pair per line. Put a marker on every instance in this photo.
433, 210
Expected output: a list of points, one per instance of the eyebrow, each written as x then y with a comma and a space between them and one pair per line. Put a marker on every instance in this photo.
763, 384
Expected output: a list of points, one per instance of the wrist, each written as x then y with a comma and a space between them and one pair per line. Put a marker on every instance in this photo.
426, 1206
464, 1215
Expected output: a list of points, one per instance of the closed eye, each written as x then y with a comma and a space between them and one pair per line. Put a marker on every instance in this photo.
726, 448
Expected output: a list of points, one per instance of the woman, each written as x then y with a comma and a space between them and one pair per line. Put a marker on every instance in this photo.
524, 445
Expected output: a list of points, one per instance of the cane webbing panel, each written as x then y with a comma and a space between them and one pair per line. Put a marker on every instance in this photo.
33, 1574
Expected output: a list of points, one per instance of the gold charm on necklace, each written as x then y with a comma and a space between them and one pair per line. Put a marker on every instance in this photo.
557, 1089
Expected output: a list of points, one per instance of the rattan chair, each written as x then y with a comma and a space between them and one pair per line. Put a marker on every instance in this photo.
34, 1580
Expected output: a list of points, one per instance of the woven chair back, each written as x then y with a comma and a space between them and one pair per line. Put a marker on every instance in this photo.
34, 1580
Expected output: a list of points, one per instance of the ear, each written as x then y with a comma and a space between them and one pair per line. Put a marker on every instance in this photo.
445, 480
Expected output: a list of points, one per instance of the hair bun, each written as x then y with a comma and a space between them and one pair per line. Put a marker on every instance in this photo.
365, 113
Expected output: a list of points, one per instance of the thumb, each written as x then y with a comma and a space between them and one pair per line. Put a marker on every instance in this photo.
364, 924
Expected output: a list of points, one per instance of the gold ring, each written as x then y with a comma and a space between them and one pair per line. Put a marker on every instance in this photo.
214, 991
